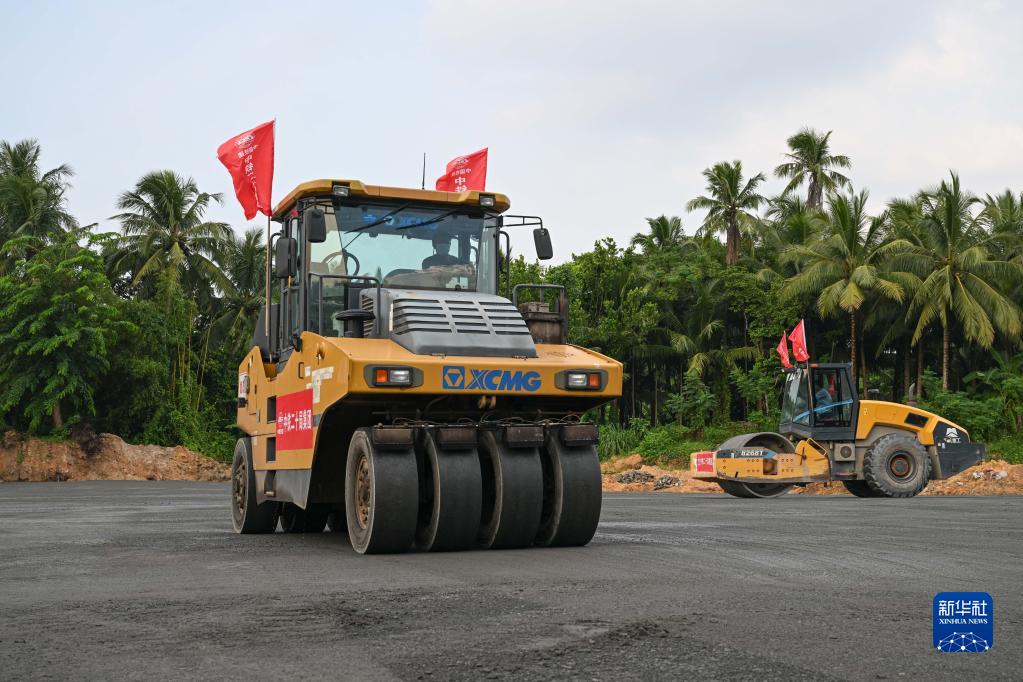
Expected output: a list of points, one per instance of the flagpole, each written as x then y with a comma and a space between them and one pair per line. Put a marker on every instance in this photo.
423, 186
266, 314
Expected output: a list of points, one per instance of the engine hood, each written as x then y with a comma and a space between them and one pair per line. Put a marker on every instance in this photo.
451, 323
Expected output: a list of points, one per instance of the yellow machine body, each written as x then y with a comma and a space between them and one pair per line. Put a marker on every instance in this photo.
395, 391
333, 370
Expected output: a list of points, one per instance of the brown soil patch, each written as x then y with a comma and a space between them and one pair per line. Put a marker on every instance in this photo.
989, 478
102, 457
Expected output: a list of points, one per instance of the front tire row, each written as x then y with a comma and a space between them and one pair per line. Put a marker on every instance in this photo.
435, 499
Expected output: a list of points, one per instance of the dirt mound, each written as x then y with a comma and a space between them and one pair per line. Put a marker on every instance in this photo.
629, 474
102, 457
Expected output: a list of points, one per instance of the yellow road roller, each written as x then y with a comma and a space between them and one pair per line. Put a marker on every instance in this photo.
393, 393
875, 448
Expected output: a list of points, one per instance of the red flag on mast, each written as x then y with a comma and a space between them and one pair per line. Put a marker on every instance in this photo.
465, 173
783, 351
798, 339
249, 158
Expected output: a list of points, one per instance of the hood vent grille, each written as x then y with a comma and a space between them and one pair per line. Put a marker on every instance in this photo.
458, 316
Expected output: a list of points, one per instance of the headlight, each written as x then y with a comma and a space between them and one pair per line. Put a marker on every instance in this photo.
486, 200
580, 380
392, 376
340, 190
576, 380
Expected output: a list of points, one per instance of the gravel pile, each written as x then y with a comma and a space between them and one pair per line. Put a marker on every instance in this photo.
667, 482
634, 477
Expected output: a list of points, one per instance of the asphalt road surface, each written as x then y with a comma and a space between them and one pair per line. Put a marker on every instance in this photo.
115, 580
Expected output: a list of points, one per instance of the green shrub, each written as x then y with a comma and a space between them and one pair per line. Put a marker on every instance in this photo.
616, 441
981, 417
669, 444
1009, 449
693, 405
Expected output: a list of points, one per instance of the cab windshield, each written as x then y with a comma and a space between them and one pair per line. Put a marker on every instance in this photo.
795, 406
406, 246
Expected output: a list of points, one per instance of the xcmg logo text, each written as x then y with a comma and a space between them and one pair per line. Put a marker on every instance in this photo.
460, 378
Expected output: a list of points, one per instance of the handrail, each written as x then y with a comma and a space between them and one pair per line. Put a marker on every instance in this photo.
346, 279
562, 300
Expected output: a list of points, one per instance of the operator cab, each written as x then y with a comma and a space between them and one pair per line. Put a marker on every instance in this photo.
819, 402
344, 245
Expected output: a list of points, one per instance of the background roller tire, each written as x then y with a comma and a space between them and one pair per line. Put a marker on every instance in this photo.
294, 519
450, 497
513, 493
755, 490
571, 494
246, 515
381, 497
859, 489
897, 466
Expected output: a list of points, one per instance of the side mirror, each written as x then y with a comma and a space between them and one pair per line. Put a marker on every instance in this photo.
285, 257
314, 223
542, 241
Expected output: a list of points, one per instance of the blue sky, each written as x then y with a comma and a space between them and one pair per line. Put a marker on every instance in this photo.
597, 114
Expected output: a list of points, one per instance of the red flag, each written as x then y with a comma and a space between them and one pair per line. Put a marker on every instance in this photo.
783, 351
798, 339
465, 173
249, 158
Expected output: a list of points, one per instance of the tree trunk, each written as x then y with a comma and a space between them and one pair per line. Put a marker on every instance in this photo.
944, 355
919, 371
863, 363
732, 242
656, 374
852, 344
906, 358
58, 418
632, 381
813, 195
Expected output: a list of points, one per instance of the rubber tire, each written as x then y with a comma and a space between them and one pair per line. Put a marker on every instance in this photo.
859, 488
450, 497
253, 518
572, 494
513, 497
394, 497
879, 478
312, 519
745, 490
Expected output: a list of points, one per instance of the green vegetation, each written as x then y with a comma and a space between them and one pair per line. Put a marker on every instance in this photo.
140, 333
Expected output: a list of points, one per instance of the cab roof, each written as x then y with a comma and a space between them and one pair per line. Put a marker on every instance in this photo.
357, 188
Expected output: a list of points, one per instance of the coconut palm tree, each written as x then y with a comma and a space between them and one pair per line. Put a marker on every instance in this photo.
960, 281
245, 263
1003, 216
810, 160
730, 204
32, 202
165, 232
844, 267
664, 234
787, 221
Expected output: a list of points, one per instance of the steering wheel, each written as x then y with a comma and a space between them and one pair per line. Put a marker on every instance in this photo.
347, 256
398, 271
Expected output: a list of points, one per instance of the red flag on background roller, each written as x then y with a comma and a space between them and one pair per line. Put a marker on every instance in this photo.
465, 173
783, 351
249, 158
798, 339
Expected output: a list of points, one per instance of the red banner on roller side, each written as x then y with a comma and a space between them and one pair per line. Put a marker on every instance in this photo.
295, 421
